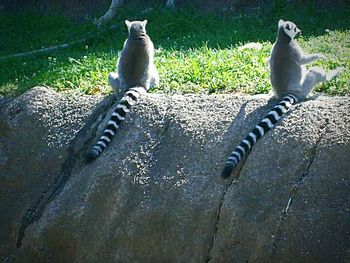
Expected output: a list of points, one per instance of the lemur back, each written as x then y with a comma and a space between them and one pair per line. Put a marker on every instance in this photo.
136, 65
136, 74
291, 82
283, 62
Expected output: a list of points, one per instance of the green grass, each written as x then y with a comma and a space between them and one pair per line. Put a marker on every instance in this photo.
194, 52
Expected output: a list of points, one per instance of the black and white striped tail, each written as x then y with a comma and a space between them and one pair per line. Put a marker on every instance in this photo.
129, 99
257, 132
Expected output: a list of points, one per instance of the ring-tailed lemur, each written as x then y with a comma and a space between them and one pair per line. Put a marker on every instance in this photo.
136, 74
291, 82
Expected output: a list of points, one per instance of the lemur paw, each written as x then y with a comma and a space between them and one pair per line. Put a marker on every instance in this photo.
321, 56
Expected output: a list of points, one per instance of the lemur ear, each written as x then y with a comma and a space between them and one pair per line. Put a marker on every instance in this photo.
280, 23
144, 23
127, 23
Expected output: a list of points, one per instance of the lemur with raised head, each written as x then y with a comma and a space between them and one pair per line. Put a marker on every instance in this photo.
136, 73
291, 82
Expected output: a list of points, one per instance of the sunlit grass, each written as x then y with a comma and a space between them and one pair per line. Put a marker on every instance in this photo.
210, 70
194, 52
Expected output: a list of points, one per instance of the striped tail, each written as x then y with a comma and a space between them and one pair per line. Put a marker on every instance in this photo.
129, 99
257, 132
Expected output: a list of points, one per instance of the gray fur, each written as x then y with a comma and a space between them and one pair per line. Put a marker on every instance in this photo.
136, 74
136, 62
289, 74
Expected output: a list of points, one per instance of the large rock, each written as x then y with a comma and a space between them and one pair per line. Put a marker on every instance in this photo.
35, 131
155, 195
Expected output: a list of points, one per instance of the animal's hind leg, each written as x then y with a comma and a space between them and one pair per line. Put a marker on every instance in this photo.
314, 76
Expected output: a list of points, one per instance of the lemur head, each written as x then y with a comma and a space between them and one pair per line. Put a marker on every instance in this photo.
136, 27
289, 28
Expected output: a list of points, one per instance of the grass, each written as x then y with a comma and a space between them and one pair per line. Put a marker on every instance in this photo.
194, 52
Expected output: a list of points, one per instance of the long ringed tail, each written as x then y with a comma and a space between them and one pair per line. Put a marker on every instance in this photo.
267, 123
127, 101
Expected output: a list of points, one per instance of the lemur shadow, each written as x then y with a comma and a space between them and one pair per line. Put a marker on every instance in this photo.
91, 129
240, 126
97, 121
74, 160
83, 140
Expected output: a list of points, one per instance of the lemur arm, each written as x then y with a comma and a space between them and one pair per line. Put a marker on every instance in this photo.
308, 58
304, 58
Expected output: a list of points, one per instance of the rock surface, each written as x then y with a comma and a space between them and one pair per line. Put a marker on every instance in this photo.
155, 195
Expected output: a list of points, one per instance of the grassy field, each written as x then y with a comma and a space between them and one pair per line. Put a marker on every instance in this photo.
194, 52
